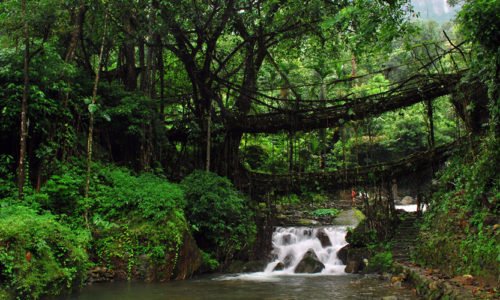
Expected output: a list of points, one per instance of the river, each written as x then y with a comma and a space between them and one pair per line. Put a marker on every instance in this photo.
235, 288
290, 244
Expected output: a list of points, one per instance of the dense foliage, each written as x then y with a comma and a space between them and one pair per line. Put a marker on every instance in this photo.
106, 105
461, 230
39, 255
219, 215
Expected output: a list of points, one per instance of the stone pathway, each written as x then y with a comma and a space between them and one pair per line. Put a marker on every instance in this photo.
405, 238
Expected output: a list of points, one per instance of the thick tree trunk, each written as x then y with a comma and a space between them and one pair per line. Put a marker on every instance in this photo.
21, 176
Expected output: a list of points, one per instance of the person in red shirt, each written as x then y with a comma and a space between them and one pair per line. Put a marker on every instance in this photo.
353, 196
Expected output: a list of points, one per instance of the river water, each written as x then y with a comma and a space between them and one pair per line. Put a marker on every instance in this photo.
229, 287
290, 244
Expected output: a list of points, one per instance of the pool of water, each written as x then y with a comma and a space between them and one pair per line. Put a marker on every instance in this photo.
248, 286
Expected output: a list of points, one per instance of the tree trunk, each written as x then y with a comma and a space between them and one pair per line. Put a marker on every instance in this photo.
91, 111
209, 133
21, 177
430, 117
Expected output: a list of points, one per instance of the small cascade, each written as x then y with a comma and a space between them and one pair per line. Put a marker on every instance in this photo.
291, 244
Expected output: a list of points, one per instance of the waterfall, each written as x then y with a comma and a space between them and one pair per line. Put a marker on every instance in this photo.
290, 244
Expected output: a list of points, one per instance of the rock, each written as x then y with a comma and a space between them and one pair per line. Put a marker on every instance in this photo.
279, 266
286, 239
189, 258
352, 266
342, 253
385, 276
349, 254
395, 279
288, 260
254, 266
468, 279
144, 268
100, 274
407, 200
390, 298
307, 222
309, 263
236, 266
323, 238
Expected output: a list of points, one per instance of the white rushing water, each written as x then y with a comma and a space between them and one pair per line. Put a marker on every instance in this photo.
291, 243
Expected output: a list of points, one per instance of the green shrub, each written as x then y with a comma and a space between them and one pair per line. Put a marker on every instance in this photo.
116, 194
380, 262
218, 214
58, 254
134, 216
361, 235
209, 262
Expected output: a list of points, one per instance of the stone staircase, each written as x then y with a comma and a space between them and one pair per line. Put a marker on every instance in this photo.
404, 241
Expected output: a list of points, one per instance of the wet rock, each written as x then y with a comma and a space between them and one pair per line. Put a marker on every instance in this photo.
279, 267
355, 259
254, 266
288, 260
144, 269
342, 253
286, 239
352, 266
407, 200
189, 258
309, 263
307, 232
100, 274
323, 238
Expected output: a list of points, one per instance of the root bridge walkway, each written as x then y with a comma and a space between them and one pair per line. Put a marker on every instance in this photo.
262, 183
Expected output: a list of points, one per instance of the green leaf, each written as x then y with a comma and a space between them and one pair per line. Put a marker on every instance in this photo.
92, 108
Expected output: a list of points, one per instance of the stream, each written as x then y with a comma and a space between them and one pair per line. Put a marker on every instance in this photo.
290, 244
229, 287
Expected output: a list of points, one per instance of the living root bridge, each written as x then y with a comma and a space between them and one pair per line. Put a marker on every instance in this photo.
359, 176
414, 90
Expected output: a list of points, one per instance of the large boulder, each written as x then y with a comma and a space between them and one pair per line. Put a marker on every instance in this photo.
323, 238
189, 258
309, 263
357, 258
354, 258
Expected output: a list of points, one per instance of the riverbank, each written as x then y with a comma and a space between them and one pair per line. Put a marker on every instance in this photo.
431, 284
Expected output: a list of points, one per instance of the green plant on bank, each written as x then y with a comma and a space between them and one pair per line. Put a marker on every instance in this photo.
134, 216
38, 254
219, 215
128, 217
380, 262
209, 261
458, 234
326, 212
